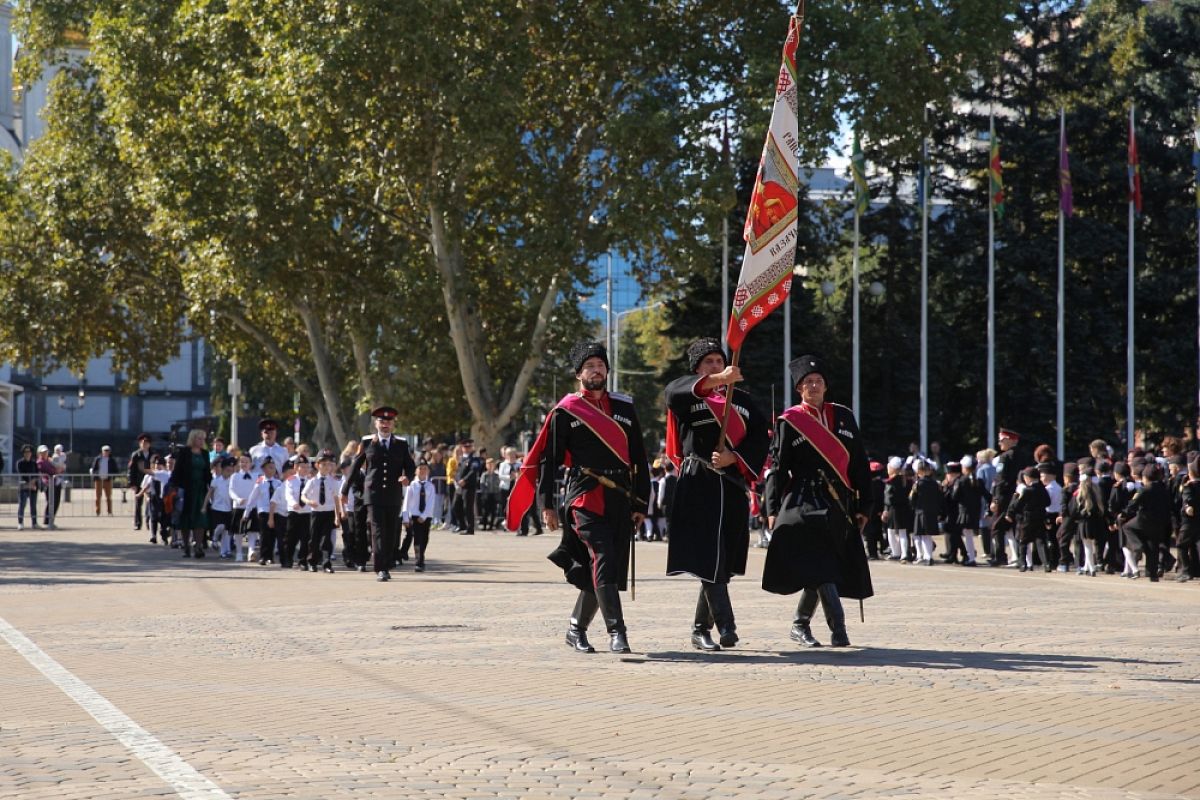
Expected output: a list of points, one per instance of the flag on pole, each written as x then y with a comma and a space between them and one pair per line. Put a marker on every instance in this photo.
1066, 198
1196, 157
1135, 169
996, 176
923, 176
770, 231
858, 168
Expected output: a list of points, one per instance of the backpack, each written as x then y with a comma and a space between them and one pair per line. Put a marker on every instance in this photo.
168, 499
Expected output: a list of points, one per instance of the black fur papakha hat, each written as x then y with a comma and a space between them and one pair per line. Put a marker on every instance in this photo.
804, 366
585, 350
697, 350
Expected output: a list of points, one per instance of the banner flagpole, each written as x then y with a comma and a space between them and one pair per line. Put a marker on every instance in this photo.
770, 232
725, 237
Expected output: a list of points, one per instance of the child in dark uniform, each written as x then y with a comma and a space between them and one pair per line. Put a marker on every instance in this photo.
1028, 512
926, 499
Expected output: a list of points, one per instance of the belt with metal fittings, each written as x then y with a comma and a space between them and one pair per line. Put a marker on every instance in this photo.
596, 472
694, 459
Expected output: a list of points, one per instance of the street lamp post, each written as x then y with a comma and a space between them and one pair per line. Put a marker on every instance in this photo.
71, 407
616, 350
235, 389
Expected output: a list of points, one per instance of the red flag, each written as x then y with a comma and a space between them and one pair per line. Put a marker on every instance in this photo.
1135, 169
770, 231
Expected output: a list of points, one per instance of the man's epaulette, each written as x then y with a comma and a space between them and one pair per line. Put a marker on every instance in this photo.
624, 398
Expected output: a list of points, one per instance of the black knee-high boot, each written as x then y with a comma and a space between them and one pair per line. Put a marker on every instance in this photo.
801, 630
722, 612
610, 609
581, 617
835, 615
702, 623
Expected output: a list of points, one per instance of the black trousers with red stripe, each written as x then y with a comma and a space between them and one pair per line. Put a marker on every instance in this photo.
606, 537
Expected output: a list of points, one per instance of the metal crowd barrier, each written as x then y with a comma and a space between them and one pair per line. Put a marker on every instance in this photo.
76, 496
77, 499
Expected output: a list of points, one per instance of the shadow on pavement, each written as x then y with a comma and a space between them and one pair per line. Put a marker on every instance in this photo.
55, 562
917, 659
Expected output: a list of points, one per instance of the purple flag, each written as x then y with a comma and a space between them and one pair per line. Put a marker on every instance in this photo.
1065, 198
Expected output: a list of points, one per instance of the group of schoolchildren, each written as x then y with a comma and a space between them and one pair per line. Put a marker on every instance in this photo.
285, 514
1091, 515
916, 507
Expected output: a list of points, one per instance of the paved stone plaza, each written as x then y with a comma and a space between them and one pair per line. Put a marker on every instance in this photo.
456, 683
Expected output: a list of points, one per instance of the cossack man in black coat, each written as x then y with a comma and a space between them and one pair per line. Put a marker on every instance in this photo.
818, 500
710, 512
386, 466
597, 436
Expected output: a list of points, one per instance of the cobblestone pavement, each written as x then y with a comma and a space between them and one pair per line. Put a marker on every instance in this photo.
455, 683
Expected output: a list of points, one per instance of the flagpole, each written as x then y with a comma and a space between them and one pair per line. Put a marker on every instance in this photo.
787, 338
925, 294
1129, 374
725, 246
991, 302
854, 384
1062, 306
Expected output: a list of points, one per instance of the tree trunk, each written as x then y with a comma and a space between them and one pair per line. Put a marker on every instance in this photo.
329, 390
268, 343
362, 365
466, 332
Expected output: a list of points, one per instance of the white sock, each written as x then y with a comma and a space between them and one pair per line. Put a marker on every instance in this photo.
969, 541
1029, 556
1130, 561
221, 535
893, 542
927, 548
902, 535
1089, 555
1014, 550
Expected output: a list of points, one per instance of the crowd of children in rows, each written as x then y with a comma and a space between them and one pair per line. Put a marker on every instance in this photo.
1092, 515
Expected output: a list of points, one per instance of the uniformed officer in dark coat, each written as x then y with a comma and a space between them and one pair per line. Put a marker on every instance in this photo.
818, 499
597, 436
710, 514
387, 467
